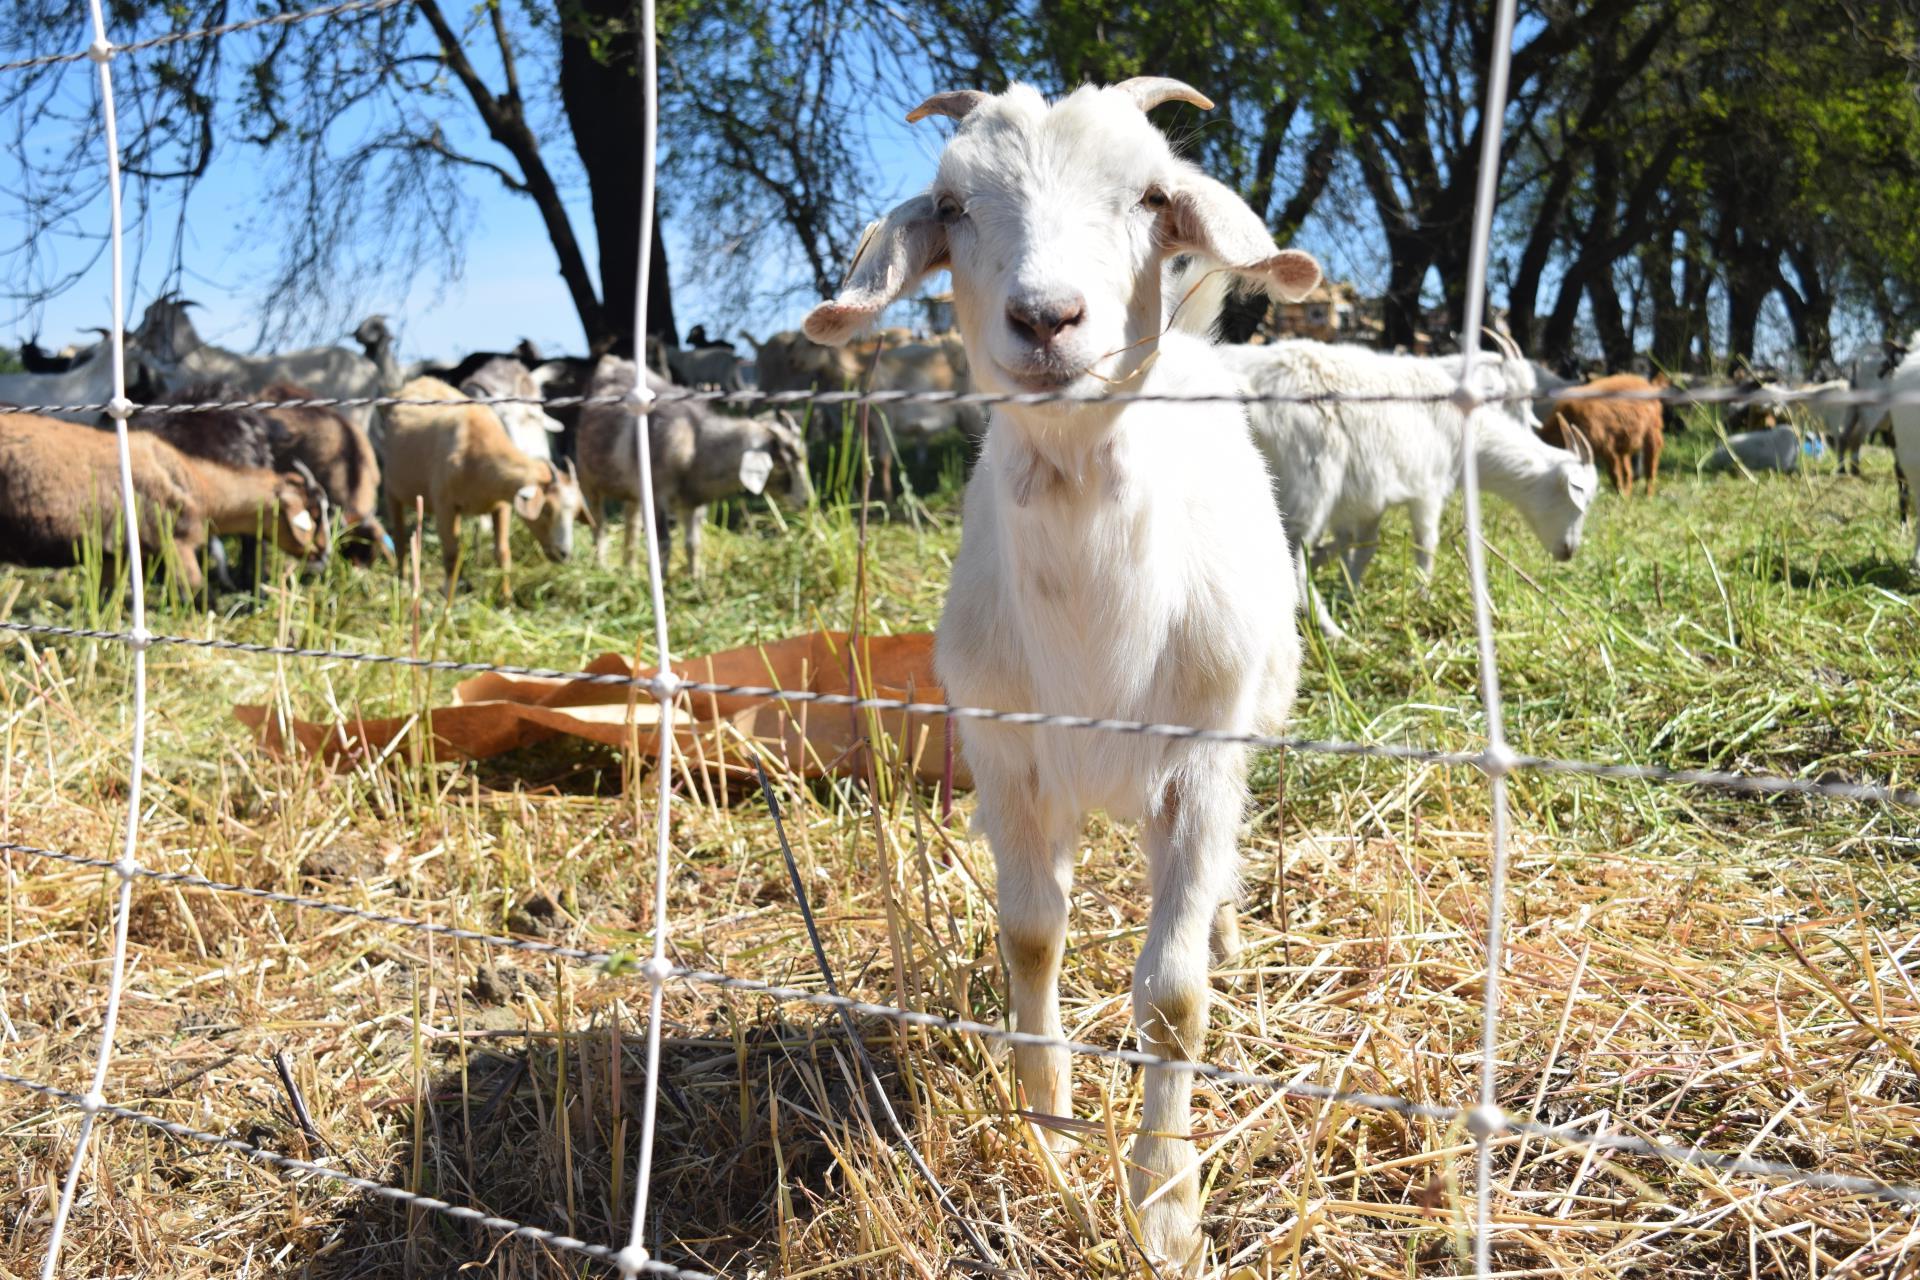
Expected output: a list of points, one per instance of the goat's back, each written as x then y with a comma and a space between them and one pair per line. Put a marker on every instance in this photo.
338, 453
60, 484
428, 446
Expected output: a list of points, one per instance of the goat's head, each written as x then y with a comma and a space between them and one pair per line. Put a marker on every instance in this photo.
165, 330
373, 333
301, 526
1559, 520
783, 453
550, 508
1056, 221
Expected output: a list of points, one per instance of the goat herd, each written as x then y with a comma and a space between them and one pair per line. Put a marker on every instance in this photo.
204, 473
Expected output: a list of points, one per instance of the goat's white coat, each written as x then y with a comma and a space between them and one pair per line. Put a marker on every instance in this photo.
1775, 449
528, 425
1338, 468
330, 372
1117, 559
89, 382
1906, 443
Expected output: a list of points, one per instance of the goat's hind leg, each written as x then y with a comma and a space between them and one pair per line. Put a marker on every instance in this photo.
1193, 859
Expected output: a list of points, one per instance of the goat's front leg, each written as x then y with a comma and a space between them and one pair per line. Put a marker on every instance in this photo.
692, 521
1193, 859
1033, 863
1360, 546
1315, 604
1426, 538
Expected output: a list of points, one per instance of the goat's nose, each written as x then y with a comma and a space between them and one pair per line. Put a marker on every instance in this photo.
1041, 320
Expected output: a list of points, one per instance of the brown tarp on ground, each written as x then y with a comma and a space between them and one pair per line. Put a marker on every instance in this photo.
493, 713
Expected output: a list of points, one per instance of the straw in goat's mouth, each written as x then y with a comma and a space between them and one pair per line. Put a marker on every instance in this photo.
1165, 329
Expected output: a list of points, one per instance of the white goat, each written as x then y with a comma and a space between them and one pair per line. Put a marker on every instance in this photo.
1337, 468
1116, 557
1774, 449
331, 372
528, 425
90, 381
1906, 445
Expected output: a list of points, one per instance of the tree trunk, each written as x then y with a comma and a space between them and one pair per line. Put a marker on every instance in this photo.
1810, 307
601, 90
1668, 323
1616, 340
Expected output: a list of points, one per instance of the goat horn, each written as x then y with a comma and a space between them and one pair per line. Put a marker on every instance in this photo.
1507, 346
955, 105
1149, 92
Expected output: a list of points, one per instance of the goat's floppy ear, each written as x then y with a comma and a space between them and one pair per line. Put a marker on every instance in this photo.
756, 467
528, 500
1205, 217
894, 255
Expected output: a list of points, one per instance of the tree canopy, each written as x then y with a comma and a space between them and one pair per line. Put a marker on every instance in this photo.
1673, 170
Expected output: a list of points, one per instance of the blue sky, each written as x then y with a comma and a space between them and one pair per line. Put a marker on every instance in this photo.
509, 286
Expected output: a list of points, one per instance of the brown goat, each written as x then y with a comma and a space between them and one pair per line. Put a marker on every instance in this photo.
1620, 431
341, 459
60, 485
458, 459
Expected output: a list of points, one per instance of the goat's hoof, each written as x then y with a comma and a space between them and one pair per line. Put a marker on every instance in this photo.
1170, 1225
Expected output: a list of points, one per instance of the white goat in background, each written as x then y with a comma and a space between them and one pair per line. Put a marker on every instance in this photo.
1116, 558
1339, 467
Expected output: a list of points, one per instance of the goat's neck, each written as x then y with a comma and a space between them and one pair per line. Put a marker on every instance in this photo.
1074, 442
232, 498
1513, 463
505, 471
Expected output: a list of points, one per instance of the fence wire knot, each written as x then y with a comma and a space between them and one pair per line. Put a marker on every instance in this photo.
1465, 399
119, 408
665, 685
1484, 1122
100, 50
1498, 760
656, 970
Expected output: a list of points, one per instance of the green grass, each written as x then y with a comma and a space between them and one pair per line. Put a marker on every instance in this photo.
1726, 623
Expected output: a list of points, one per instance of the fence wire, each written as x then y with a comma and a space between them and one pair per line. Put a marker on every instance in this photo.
1486, 1121
1716, 779
619, 962
1887, 397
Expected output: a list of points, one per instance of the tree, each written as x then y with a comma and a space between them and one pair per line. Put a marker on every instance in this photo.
370, 125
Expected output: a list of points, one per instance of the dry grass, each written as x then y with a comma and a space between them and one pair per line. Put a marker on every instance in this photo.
1733, 971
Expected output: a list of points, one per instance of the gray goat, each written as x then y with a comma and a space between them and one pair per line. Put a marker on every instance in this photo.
699, 457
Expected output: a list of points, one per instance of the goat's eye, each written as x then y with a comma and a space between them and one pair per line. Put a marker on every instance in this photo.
1155, 197
948, 206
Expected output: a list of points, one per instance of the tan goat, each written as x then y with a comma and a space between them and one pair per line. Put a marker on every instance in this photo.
1620, 431
459, 460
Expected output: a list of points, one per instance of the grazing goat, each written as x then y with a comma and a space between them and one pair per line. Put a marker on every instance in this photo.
528, 425
1115, 560
707, 368
460, 461
1620, 432
1338, 468
60, 488
699, 457
238, 439
340, 458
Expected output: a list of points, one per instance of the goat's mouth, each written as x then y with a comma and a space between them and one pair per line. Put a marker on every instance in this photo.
1041, 376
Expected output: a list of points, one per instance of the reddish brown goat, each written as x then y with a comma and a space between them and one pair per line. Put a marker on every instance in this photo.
1620, 431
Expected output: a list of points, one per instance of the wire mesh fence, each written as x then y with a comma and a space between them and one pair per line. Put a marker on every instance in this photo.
1488, 1120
